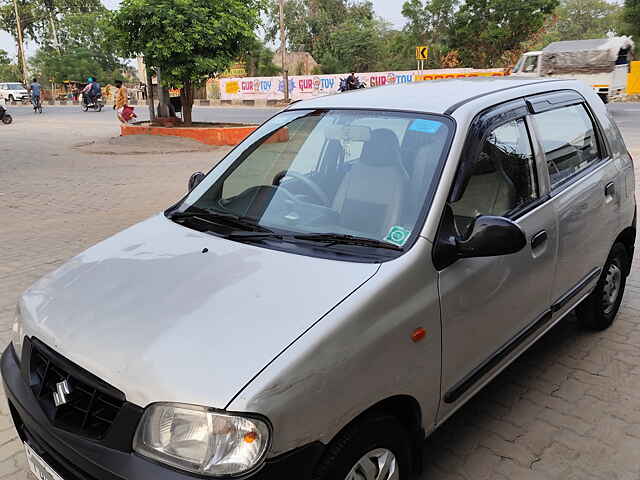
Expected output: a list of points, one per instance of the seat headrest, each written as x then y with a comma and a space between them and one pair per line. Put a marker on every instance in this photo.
382, 149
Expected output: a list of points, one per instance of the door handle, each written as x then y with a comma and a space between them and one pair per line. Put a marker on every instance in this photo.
610, 189
539, 239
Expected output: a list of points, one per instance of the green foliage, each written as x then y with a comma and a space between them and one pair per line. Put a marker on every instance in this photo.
259, 59
36, 15
9, 72
339, 34
429, 23
187, 39
584, 19
84, 51
631, 18
484, 30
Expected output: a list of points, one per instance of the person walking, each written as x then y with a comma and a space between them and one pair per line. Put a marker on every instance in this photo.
121, 100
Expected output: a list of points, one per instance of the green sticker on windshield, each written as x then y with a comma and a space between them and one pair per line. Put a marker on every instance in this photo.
398, 236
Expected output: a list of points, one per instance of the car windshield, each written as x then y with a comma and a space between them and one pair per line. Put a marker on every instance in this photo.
333, 178
14, 86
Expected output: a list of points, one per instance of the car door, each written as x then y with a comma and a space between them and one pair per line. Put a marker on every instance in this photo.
584, 187
489, 306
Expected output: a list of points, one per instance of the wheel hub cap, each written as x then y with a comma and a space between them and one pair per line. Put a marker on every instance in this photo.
379, 464
611, 290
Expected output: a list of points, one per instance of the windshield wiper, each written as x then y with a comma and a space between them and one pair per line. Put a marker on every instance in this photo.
220, 218
337, 239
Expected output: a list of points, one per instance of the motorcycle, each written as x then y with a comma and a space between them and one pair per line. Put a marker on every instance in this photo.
344, 85
4, 116
87, 104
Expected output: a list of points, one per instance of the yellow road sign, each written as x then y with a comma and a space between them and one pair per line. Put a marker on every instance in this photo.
422, 53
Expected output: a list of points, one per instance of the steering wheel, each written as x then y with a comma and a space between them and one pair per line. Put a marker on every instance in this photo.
310, 184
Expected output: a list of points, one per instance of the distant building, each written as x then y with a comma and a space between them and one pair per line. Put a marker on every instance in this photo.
298, 63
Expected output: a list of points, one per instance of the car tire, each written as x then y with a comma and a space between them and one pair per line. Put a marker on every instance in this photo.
373, 444
599, 310
7, 119
11, 100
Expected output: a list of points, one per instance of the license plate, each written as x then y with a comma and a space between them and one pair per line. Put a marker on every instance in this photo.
39, 467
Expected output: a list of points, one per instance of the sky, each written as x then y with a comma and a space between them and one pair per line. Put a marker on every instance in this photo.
387, 9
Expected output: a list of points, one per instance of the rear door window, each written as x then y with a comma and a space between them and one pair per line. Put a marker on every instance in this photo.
570, 141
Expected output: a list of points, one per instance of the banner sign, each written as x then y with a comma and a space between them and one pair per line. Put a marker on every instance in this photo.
309, 86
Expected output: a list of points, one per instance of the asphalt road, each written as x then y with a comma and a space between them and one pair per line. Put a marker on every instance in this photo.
206, 114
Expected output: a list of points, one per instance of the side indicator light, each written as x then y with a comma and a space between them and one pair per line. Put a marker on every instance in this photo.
250, 437
418, 334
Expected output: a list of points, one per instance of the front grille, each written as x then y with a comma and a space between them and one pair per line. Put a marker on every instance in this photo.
92, 406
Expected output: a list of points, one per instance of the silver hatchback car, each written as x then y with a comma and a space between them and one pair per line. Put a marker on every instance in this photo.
332, 291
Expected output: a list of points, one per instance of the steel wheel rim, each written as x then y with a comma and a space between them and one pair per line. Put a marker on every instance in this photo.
378, 464
611, 289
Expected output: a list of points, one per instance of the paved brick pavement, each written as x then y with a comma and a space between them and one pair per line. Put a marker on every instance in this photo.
568, 409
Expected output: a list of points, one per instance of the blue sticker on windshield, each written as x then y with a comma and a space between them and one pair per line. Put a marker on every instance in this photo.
425, 126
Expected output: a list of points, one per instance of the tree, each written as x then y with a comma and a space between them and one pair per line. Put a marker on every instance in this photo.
429, 23
9, 72
483, 30
632, 18
188, 40
259, 60
337, 33
583, 19
83, 50
38, 18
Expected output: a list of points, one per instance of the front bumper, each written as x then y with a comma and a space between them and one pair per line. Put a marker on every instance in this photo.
78, 458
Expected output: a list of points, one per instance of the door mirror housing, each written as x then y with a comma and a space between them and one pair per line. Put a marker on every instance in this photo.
492, 237
487, 236
195, 180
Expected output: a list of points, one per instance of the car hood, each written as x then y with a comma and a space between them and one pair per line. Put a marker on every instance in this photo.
151, 314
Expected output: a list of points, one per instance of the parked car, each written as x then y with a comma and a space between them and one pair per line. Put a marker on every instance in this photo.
13, 92
602, 63
332, 291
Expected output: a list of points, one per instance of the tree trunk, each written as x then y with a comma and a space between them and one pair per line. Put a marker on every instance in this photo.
163, 105
150, 95
186, 95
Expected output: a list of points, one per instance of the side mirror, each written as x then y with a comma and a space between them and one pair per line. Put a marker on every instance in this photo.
492, 237
195, 180
489, 237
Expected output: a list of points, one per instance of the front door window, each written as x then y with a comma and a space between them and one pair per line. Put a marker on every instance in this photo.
503, 179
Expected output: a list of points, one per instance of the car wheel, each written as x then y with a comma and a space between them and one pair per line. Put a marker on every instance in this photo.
11, 100
7, 119
599, 310
376, 448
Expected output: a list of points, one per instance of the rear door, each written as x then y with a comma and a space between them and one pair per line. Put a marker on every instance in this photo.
584, 187
491, 305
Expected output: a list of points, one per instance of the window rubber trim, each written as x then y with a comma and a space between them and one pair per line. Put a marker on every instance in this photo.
461, 103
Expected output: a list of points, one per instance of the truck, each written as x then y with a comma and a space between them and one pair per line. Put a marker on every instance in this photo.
602, 63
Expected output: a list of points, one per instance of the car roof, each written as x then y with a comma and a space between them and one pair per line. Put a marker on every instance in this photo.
432, 96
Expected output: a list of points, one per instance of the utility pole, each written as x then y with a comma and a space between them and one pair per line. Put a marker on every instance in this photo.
283, 50
21, 54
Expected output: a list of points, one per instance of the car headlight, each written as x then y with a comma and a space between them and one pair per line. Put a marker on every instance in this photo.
17, 333
201, 440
